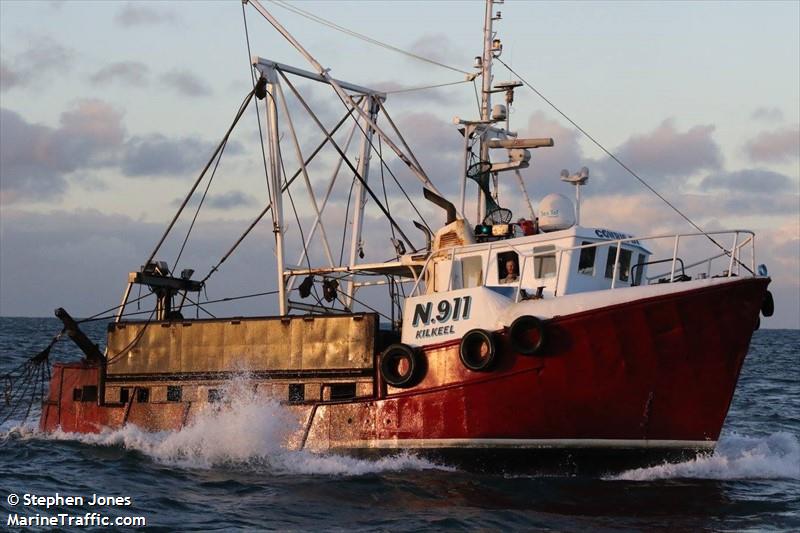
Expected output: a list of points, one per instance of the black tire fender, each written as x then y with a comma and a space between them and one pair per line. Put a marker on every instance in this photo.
519, 335
768, 305
391, 360
472, 353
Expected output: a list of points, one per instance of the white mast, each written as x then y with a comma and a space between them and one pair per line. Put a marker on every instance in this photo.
364, 154
275, 182
486, 93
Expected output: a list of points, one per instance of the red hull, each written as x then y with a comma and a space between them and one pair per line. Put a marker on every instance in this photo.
658, 372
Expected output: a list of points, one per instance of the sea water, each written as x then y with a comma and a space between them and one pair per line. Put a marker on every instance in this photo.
231, 469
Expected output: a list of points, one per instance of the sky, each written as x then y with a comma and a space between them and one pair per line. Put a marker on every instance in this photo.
109, 110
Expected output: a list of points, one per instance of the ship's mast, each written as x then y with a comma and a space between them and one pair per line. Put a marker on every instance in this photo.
489, 48
276, 192
486, 93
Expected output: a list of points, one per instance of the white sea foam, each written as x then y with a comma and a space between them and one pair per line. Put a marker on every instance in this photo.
736, 457
248, 432
16, 430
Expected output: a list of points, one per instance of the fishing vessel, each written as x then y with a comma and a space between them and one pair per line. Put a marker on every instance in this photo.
500, 339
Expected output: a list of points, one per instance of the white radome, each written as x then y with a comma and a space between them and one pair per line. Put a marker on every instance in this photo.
556, 212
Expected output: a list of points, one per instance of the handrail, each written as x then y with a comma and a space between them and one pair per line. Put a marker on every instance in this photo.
733, 252
641, 265
750, 239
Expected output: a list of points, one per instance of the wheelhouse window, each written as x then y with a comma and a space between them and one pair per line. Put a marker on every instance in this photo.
624, 266
586, 259
507, 267
472, 271
637, 275
624, 269
544, 263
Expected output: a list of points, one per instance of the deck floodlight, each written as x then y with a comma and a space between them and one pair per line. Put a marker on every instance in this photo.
261, 88
306, 286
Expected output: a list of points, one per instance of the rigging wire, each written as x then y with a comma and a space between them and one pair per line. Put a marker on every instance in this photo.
197, 211
113, 359
363, 304
425, 87
392, 174
220, 146
258, 113
95, 316
346, 215
360, 178
385, 196
205, 302
200, 307
344, 156
618, 161
337, 27
294, 209
477, 98
255, 222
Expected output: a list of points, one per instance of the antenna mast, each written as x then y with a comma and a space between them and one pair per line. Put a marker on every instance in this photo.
490, 46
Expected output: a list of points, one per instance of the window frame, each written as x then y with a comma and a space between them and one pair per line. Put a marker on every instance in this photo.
502, 258
539, 261
611, 259
465, 260
590, 250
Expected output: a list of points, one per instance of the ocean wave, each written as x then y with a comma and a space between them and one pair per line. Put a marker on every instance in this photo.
776, 456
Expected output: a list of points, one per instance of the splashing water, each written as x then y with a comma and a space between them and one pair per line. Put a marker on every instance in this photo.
248, 431
736, 457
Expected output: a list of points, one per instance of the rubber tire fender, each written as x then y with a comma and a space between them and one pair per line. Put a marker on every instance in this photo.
518, 338
768, 305
469, 350
390, 362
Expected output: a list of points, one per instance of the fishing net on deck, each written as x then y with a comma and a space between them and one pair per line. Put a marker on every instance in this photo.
25, 385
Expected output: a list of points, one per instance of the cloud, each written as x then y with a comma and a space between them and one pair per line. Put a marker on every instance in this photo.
222, 201
8, 77
185, 83
41, 58
155, 155
665, 157
767, 114
437, 145
230, 200
764, 204
547, 163
35, 159
126, 72
140, 14
776, 146
438, 47
750, 180
80, 259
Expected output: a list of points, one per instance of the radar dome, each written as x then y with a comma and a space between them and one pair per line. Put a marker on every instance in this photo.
556, 212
